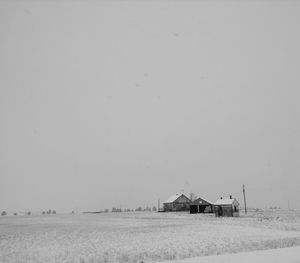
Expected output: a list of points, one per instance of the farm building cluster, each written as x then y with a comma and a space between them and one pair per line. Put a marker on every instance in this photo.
222, 207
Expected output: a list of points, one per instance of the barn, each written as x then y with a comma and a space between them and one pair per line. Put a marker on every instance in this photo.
201, 205
227, 207
178, 202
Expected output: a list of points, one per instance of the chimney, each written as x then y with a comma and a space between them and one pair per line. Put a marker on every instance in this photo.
231, 197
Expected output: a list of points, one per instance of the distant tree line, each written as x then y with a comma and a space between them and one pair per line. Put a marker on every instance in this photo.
3, 213
139, 209
275, 207
49, 212
113, 210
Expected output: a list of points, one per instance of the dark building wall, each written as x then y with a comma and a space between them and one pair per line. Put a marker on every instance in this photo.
225, 210
201, 206
193, 209
177, 206
201, 209
182, 203
205, 209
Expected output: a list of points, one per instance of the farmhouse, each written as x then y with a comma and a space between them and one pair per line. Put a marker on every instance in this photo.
178, 202
201, 205
226, 207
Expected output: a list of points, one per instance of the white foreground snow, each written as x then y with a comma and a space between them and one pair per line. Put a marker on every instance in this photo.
286, 255
143, 237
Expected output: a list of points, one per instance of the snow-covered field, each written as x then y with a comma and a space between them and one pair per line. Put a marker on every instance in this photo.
286, 255
137, 237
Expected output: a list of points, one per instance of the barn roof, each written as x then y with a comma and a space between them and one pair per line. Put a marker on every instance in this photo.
225, 201
173, 198
199, 201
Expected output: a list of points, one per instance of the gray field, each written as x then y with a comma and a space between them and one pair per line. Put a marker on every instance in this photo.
137, 237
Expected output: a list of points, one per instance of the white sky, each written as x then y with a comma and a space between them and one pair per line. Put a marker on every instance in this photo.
120, 103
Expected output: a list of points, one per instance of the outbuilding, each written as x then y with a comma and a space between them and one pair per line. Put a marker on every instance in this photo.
201, 205
227, 207
178, 202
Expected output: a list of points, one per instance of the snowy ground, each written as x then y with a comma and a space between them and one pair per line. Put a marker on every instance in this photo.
286, 255
137, 237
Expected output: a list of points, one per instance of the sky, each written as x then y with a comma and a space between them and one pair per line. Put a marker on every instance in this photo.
121, 103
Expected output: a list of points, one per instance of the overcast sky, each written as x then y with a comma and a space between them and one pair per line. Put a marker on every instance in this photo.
120, 103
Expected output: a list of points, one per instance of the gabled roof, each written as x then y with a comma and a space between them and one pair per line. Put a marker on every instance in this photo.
225, 201
173, 198
200, 201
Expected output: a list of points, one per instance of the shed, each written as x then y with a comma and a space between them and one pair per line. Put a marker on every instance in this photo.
227, 207
201, 205
178, 202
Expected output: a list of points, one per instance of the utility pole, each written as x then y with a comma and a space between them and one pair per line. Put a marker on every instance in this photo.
244, 199
158, 208
289, 205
